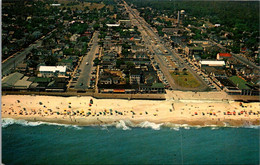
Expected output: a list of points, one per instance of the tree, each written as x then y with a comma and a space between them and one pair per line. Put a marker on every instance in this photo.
119, 63
51, 60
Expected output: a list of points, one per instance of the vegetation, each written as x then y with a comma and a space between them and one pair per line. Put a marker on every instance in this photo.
239, 18
185, 79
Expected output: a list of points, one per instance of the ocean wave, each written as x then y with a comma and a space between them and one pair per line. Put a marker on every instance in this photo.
147, 124
122, 125
125, 125
8, 121
252, 126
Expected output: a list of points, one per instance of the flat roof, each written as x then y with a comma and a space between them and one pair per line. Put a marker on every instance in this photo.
11, 79
113, 25
207, 62
52, 68
239, 81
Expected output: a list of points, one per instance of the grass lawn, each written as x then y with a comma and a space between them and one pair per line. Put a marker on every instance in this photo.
183, 80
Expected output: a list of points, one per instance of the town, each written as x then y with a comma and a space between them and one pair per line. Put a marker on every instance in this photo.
123, 47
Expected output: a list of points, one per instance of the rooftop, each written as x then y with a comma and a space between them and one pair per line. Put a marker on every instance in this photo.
208, 62
52, 68
240, 82
225, 55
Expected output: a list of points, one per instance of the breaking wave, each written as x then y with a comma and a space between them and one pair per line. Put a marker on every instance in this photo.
124, 125
8, 121
148, 124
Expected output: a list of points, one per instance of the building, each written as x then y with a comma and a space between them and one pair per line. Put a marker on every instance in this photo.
9, 81
212, 63
113, 25
23, 83
194, 50
135, 77
52, 71
125, 23
221, 56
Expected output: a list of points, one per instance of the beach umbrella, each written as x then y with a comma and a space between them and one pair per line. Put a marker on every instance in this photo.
82, 111
58, 113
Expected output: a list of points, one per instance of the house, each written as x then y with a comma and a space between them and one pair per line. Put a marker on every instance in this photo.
52, 71
74, 37
135, 77
56, 86
22, 67
149, 78
105, 80
194, 50
215, 72
155, 88
199, 42
172, 31
217, 25
221, 56
125, 23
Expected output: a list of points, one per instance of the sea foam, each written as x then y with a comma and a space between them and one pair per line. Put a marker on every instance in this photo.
148, 124
122, 125
8, 121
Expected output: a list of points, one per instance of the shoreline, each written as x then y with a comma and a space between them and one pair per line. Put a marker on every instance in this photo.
80, 111
143, 124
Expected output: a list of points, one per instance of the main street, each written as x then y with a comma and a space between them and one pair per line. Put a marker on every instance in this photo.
156, 46
11, 62
86, 65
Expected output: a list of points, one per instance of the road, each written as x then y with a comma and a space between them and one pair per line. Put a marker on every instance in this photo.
156, 46
83, 81
245, 61
9, 64
240, 58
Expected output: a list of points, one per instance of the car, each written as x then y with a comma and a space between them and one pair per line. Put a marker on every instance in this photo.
86, 63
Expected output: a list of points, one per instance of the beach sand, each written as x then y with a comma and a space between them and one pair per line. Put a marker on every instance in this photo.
79, 111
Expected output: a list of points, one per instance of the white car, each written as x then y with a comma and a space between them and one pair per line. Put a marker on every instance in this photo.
86, 63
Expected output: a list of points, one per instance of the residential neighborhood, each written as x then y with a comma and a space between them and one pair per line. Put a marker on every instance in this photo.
108, 48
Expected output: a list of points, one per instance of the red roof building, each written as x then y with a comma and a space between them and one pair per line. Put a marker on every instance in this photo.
220, 56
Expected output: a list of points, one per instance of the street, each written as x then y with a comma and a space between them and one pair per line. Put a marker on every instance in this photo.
11, 62
86, 66
156, 46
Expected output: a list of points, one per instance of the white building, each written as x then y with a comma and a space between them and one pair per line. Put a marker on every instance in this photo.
52, 71
55, 4
113, 25
211, 63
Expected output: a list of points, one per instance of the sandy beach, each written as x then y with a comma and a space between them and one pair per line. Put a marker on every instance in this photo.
91, 111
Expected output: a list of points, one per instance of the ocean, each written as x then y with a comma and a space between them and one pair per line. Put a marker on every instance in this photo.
124, 143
